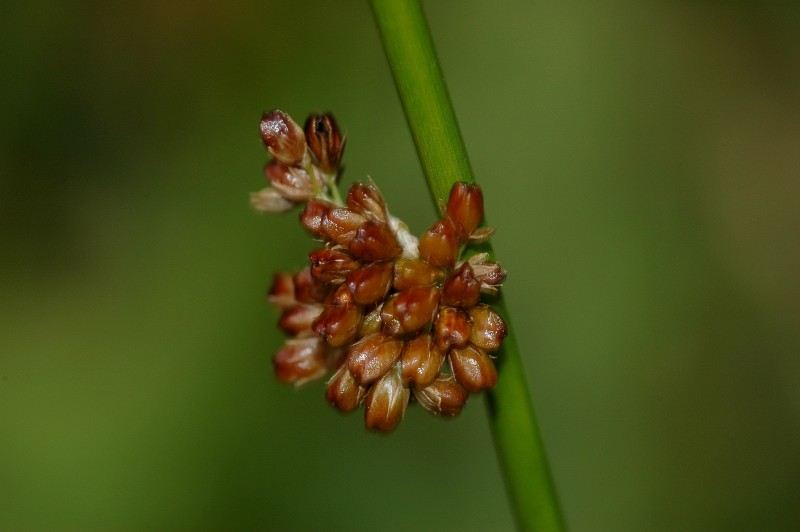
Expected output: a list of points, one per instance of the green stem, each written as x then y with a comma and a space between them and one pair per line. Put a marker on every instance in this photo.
420, 83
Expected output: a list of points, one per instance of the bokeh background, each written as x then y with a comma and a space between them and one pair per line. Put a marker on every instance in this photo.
640, 160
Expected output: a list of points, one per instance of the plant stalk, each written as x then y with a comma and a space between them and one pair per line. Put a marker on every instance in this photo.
429, 112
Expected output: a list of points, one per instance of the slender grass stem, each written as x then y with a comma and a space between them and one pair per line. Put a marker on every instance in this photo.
423, 93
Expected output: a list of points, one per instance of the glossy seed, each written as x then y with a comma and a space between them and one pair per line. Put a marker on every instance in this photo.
374, 242
473, 368
421, 361
372, 356
300, 361
451, 328
465, 208
370, 283
338, 325
439, 244
462, 288
342, 390
444, 396
331, 265
386, 402
410, 273
410, 310
488, 328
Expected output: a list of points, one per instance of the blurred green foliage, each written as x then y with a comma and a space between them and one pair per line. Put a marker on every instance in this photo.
640, 161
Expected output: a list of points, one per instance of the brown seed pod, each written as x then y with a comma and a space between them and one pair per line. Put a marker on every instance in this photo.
283, 137
281, 293
370, 283
488, 328
340, 225
338, 325
367, 200
325, 142
386, 402
374, 242
421, 361
465, 208
451, 328
298, 318
313, 214
439, 244
461, 289
342, 390
291, 182
410, 310
331, 265
300, 361
307, 289
410, 273
444, 396
473, 368
372, 356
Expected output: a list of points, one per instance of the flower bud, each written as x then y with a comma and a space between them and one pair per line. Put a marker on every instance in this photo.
386, 402
283, 137
421, 361
297, 319
340, 225
439, 244
374, 242
367, 200
410, 273
307, 289
473, 368
451, 328
465, 208
372, 356
342, 390
488, 328
371, 323
300, 361
338, 325
312, 216
370, 283
269, 200
281, 293
410, 310
444, 396
331, 265
461, 289
325, 142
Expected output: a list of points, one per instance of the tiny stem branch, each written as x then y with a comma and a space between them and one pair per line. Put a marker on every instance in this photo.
423, 93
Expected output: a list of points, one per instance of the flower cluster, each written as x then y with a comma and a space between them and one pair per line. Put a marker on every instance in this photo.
392, 316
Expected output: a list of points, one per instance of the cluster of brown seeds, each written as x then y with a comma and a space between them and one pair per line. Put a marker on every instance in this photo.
392, 316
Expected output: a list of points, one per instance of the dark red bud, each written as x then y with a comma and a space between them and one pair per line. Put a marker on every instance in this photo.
410, 310
372, 356
421, 361
338, 325
370, 284
445, 396
473, 368
300, 361
488, 328
283, 137
461, 289
386, 402
367, 200
465, 208
410, 273
325, 142
374, 242
439, 244
331, 265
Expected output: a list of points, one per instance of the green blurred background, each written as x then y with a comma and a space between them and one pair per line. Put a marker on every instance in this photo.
640, 160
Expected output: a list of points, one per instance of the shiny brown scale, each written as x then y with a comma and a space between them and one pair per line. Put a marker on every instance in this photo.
461, 289
370, 283
372, 356
338, 325
451, 328
439, 245
444, 396
473, 368
410, 273
410, 310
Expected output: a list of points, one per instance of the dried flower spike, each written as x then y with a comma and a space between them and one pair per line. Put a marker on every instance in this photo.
394, 317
